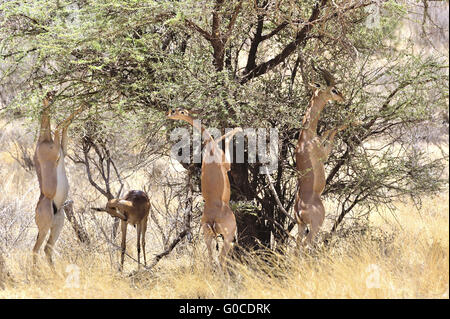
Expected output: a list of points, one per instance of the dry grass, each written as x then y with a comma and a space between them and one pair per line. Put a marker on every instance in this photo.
405, 255
402, 257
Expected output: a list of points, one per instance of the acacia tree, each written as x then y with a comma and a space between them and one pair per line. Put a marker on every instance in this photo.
242, 63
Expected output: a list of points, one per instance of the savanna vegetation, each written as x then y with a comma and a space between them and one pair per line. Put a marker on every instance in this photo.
234, 63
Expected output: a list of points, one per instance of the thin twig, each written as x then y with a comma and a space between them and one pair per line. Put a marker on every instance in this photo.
274, 193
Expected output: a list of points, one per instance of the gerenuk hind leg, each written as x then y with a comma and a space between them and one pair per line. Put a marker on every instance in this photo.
44, 220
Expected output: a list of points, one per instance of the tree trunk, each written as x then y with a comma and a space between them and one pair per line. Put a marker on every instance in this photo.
79, 229
252, 230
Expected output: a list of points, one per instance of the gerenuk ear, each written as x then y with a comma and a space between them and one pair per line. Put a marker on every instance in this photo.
314, 86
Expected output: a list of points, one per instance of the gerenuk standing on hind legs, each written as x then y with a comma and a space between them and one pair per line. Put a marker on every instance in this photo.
218, 218
53, 183
311, 153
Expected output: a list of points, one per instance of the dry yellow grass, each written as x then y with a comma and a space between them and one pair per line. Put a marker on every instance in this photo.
402, 257
405, 255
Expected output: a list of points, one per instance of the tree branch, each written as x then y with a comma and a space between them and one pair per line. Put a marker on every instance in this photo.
289, 49
232, 22
195, 27
275, 195
274, 31
170, 248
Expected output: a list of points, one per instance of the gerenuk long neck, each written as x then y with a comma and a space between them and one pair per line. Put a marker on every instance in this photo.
199, 127
45, 132
316, 105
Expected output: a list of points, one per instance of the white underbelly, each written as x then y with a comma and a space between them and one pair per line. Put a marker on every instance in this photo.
62, 186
